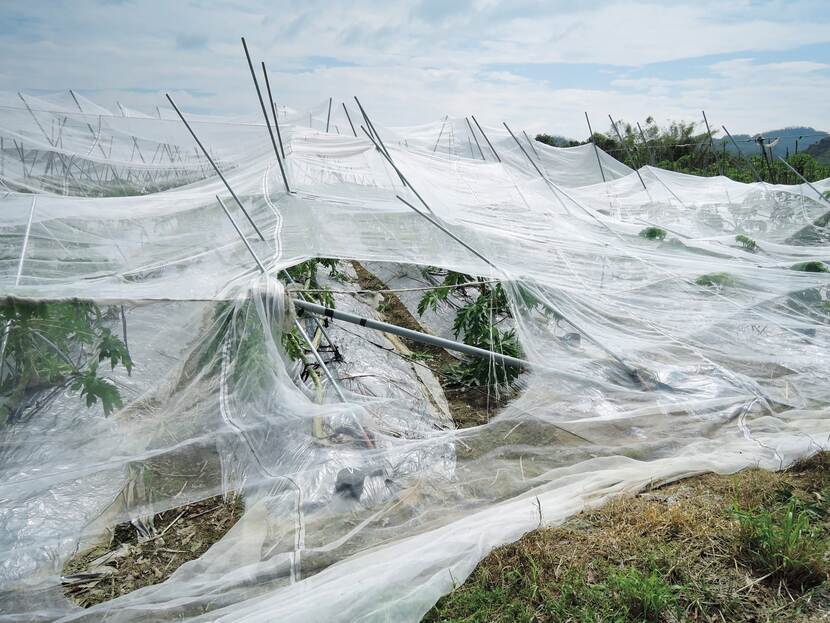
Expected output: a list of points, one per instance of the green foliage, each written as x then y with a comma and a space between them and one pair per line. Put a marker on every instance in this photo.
813, 266
55, 344
305, 274
485, 306
653, 233
784, 543
721, 280
687, 148
747, 243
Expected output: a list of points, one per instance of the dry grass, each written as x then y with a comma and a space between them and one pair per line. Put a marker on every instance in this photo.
676, 553
125, 562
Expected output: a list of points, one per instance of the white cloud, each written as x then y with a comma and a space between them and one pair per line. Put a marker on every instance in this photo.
417, 62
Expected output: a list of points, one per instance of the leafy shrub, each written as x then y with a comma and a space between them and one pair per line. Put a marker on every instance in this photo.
747, 243
813, 266
653, 233
59, 344
783, 543
475, 322
716, 280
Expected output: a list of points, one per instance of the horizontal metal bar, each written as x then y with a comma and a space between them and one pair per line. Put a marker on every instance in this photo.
424, 338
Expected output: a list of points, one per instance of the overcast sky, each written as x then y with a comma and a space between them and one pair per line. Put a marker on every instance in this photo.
752, 65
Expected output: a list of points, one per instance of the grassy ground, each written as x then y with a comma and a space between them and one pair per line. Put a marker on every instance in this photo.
747, 547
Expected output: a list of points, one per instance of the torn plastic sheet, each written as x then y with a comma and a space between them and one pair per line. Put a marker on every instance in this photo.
369, 510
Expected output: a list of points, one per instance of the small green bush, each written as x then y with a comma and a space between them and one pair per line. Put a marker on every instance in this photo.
653, 233
747, 243
813, 266
716, 279
783, 543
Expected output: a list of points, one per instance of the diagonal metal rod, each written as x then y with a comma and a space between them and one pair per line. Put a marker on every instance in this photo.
346, 110
538, 296
382, 147
328, 116
485, 138
290, 279
596, 150
297, 323
397, 170
628, 151
475, 138
441, 133
529, 142
273, 109
265, 114
527, 155
213, 164
741, 154
708, 131
804, 179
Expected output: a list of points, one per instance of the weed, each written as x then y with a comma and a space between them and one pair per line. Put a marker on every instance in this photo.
653, 233
747, 243
813, 266
784, 544
721, 280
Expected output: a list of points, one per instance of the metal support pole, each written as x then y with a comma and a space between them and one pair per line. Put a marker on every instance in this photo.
265, 114
475, 138
273, 110
213, 164
527, 155
629, 370
441, 133
630, 155
804, 179
485, 138
372, 128
596, 150
529, 142
346, 110
328, 116
397, 170
8, 326
297, 324
741, 154
424, 338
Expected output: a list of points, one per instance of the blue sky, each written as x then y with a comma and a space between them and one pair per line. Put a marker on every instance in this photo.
752, 65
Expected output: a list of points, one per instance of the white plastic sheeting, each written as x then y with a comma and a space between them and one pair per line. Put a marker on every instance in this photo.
730, 375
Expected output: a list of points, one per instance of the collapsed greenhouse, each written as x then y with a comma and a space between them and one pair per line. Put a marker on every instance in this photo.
640, 359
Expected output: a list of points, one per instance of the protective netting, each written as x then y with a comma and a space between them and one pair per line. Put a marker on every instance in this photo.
728, 349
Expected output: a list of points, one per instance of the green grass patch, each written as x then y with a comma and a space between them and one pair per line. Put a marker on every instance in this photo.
813, 266
721, 280
653, 233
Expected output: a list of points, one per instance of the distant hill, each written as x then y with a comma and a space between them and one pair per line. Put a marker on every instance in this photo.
821, 150
804, 136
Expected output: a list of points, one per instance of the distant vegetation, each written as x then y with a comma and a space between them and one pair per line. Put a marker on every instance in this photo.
684, 148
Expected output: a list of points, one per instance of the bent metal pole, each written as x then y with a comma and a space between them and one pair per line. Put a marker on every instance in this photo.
213, 164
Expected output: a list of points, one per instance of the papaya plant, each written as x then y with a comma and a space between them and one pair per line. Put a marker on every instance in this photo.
57, 345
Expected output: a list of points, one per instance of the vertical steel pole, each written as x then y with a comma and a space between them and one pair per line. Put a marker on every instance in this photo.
328, 116
265, 114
